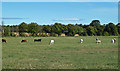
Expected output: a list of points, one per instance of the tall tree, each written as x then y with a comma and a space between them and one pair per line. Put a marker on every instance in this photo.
7, 31
78, 30
23, 27
65, 29
111, 29
71, 31
95, 23
33, 28
57, 28
47, 28
91, 30
118, 27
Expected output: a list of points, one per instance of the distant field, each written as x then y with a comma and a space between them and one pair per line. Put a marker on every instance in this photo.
66, 53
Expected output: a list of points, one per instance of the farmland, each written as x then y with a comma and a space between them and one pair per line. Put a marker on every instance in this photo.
65, 53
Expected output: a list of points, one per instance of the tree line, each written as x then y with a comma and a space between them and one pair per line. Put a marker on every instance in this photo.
93, 29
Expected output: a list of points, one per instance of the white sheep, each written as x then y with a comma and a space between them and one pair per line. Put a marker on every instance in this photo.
98, 41
113, 41
81, 40
52, 42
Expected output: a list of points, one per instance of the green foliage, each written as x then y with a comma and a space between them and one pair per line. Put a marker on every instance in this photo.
13, 34
78, 30
23, 34
65, 29
100, 30
71, 30
23, 27
71, 34
106, 34
7, 31
43, 35
99, 33
53, 34
95, 23
47, 28
84, 33
111, 29
93, 29
57, 28
33, 28
118, 27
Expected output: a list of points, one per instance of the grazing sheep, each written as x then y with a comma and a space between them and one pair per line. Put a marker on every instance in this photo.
98, 41
81, 40
113, 41
52, 42
39, 40
24, 40
4, 40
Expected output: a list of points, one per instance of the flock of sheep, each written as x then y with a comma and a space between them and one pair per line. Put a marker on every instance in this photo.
99, 41
52, 41
35, 40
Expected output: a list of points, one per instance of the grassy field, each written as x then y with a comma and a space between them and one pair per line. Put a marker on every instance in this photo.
66, 53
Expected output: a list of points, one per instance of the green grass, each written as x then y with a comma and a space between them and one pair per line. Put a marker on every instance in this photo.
66, 53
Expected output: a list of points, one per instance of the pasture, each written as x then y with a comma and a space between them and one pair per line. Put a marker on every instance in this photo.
65, 53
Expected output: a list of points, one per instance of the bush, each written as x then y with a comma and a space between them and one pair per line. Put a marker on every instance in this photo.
70, 34
99, 33
43, 35
23, 35
7, 31
34, 35
84, 34
53, 34
106, 34
13, 35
